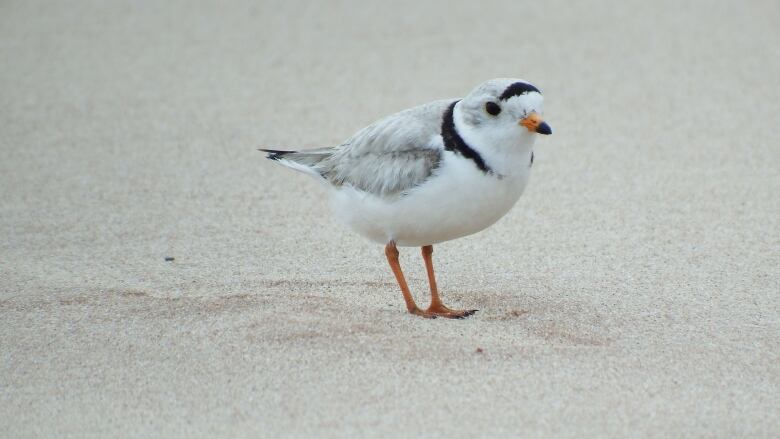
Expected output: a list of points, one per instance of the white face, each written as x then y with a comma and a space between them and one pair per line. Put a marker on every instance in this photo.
504, 112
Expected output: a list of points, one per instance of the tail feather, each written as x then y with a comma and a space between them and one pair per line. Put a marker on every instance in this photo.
306, 161
275, 154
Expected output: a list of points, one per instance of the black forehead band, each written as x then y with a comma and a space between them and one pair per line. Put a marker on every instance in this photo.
517, 89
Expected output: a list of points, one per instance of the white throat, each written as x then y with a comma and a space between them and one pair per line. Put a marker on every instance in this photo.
504, 151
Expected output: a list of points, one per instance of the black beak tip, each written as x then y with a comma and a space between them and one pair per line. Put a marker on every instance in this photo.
543, 128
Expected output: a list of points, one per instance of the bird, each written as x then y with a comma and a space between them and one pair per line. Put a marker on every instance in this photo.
431, 173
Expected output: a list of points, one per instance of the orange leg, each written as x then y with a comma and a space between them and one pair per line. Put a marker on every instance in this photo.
391, 251
436, 307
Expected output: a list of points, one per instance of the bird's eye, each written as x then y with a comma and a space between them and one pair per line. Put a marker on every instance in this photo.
492, 108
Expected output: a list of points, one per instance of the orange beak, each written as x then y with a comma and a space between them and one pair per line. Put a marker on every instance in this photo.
534, 123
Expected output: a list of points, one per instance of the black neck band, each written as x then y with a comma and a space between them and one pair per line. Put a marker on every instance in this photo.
453, 142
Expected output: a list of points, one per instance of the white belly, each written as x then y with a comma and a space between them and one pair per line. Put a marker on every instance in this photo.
461, 200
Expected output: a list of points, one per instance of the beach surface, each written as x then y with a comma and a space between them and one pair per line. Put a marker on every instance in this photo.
634, 291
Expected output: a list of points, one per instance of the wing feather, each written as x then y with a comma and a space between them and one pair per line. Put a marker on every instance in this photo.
392, 155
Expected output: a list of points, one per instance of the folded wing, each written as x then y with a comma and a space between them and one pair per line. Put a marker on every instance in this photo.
387, 158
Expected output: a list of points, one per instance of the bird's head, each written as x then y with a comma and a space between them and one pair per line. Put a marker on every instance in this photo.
503, 112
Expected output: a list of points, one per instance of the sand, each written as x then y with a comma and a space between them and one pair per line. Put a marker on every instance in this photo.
633, 291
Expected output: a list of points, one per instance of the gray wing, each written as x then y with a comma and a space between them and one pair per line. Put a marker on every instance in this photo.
390, 156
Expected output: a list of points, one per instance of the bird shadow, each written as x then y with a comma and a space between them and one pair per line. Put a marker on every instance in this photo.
558, 320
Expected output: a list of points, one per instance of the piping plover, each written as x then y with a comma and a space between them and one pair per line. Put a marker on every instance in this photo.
431, 173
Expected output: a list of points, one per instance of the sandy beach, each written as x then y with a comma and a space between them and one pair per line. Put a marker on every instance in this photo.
634, 291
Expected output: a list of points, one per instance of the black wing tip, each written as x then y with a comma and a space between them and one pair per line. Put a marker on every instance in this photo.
274, 154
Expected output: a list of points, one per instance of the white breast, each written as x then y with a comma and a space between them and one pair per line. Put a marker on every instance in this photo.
458, 200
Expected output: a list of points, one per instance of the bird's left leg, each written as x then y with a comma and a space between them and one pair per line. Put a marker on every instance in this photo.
391, 251
437, 307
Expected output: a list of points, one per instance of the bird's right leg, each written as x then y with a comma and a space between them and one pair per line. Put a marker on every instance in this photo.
437, 307
391, 251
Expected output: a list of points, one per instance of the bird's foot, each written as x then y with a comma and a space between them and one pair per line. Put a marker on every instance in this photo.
422, 313
434, 311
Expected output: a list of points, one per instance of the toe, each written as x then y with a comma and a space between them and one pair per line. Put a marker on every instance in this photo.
459, 314
423, 314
